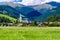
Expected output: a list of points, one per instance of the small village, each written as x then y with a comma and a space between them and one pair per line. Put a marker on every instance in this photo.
29, 19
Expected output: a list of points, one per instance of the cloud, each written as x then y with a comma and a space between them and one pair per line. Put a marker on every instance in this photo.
29, 2
57, 0
10, 0
34, 2
18, 0
5, 0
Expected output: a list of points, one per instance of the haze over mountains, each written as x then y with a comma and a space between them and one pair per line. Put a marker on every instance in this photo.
35, 12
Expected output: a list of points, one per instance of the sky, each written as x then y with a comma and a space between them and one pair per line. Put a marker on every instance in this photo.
29, 2
10, 0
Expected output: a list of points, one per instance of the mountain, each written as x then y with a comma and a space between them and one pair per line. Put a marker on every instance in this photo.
47, 9
7, 10
15, 9
29, 12
54, 3
33, 13
25, 10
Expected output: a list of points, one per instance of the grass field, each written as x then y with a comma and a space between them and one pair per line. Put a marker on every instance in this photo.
29, 33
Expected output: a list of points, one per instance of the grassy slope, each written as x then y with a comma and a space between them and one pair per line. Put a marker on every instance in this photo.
29, 33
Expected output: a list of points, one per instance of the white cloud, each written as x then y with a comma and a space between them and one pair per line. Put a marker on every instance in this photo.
57, 0
34, 2
31, 2
10, 0
5, 0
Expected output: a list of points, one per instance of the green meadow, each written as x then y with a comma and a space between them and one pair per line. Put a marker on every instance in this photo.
29, 33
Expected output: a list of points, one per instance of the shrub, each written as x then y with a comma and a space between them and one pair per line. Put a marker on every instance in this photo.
54, 24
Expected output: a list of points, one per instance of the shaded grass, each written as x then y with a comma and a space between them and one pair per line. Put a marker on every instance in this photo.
29, 33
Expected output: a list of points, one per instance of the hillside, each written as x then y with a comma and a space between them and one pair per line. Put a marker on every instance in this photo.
34, 12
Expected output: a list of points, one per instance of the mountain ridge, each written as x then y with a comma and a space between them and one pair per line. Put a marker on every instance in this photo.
43, 10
